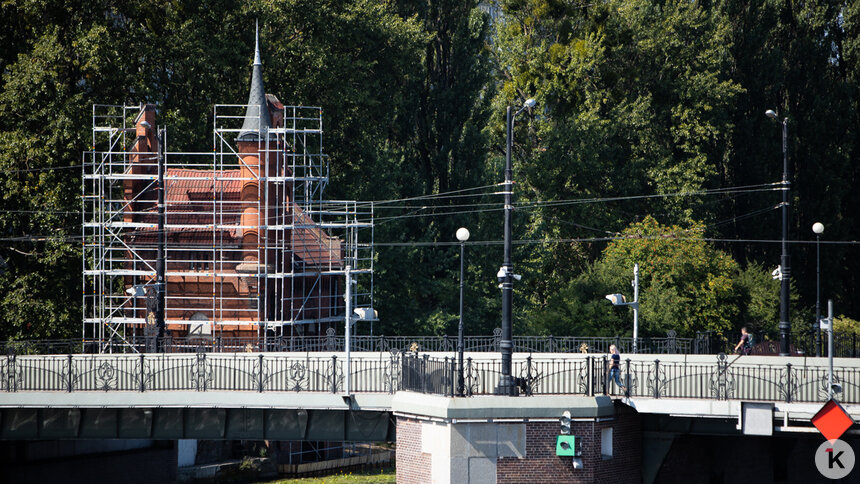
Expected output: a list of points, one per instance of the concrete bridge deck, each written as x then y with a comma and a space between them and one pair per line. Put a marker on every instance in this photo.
294, 396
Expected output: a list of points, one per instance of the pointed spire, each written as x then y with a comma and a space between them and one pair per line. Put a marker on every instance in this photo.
257, 44
257, 119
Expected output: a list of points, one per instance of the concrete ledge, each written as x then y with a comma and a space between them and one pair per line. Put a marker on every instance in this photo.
186, 399
797, 362
500, 407
691, 407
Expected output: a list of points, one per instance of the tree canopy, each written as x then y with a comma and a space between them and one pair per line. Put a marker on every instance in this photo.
648, 145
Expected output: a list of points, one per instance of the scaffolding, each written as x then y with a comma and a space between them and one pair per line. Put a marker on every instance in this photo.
251, 245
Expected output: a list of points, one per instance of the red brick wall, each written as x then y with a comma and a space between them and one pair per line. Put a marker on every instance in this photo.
626, 463
542, 465
413, 466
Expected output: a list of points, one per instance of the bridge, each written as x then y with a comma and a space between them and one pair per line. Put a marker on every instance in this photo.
296, 396
668, 402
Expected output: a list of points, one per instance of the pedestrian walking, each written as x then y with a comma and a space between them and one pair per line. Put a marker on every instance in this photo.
615, 367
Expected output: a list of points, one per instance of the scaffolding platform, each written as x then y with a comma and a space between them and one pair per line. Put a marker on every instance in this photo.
251, 245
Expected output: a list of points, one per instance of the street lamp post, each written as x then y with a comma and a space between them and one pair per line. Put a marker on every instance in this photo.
818, 228
506, 274
462, 236
160, 281
828, 326
784, 266
620, 300
347, 297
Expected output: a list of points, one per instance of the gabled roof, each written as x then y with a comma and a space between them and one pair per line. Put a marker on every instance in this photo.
188, 200
312, 244
188, 197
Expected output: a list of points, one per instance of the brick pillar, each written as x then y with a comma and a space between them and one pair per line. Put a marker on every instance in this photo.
489, 440
542, 465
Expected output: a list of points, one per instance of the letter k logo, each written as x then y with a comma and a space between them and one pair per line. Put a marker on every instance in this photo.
834, 459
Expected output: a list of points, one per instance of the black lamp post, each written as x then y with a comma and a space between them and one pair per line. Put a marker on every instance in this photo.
506, 274
784, 266
160, 281
462, 236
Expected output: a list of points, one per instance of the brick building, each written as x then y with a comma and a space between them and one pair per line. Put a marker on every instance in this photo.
251, 246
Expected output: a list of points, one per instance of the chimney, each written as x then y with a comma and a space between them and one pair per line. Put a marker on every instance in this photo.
143, 157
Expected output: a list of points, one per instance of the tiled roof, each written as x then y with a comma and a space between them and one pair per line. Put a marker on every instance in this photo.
313, 245
183, 185
188, 201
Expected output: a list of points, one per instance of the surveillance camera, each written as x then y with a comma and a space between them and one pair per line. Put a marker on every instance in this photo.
517, 277
501, 274
836, 387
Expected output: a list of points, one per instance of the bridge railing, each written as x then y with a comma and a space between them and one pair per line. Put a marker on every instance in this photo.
846, 345
332, 342
700, 377
720, 380
197, 372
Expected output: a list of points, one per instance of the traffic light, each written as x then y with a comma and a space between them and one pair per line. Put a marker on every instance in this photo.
564, 421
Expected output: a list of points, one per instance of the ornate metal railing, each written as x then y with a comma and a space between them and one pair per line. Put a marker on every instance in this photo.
845, 344
201, 371
719, 380
333, 342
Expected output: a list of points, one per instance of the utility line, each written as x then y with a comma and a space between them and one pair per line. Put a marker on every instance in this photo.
528, 207
481, 243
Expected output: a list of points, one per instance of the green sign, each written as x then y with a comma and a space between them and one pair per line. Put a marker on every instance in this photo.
564, 445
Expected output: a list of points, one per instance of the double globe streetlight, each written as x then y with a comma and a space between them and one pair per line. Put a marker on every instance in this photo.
506, 274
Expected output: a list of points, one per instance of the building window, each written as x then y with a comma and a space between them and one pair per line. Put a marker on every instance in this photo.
606, 443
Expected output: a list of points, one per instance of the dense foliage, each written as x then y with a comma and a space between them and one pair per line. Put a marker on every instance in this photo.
648, 145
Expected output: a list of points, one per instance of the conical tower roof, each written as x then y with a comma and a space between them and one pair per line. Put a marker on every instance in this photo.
257, 119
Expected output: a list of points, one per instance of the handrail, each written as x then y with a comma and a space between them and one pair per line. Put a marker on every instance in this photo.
789, 380
846, 344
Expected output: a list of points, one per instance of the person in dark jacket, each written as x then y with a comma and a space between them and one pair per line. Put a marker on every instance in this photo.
615, 366
744, 346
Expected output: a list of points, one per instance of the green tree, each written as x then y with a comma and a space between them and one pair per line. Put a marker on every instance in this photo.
633, 98
445, 152
357, 59
686, 284
800, 59
760, 292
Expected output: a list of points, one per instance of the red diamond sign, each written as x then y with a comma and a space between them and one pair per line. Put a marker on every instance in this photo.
832, 420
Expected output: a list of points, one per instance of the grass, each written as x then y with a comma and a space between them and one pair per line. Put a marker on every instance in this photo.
385, 475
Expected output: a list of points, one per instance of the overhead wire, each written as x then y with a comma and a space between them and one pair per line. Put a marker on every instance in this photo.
48, 168
531, 206
522, 206
607, 239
